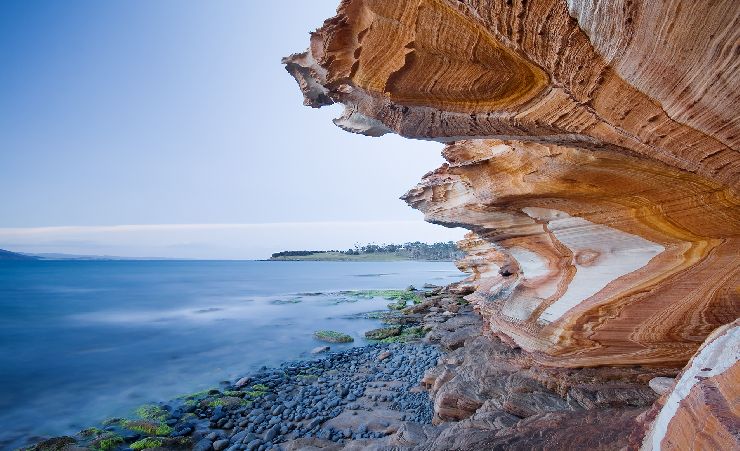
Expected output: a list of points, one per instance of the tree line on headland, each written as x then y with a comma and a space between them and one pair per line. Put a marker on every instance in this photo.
407, 251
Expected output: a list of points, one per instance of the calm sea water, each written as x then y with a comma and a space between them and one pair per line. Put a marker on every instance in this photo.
84, 340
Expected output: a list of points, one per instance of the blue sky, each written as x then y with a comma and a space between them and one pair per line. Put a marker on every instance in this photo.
167, 112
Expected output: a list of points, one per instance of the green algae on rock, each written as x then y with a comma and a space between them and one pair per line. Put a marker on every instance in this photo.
383, 332
332, 336
146, 443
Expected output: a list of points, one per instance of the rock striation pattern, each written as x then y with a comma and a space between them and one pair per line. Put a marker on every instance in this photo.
589, 257
703, 407
592, 150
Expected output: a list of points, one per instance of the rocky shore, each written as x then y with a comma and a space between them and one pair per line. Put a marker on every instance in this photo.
594, 158
458, 387
359, 394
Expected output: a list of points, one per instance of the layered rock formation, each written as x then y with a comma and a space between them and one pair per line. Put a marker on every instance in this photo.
612, 222
701, 410
592, 151
590, 257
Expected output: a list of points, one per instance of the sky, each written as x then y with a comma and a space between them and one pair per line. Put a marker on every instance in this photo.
168, 128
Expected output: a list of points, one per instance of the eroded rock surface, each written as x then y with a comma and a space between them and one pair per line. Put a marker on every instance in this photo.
593, 152
589, 257
605, 190
702, 409
488, 394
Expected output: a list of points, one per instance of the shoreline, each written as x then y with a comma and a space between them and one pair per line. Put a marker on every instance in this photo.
185, 330
459, 387
378, 382
354, 261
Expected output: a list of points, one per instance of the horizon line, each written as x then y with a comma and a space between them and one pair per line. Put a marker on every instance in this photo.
193, 226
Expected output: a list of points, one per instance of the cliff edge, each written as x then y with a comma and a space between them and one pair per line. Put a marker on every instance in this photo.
592, 152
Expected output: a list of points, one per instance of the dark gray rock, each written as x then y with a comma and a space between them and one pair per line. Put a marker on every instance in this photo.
220, 445
238, 437
203, 445
181, 431
272, 433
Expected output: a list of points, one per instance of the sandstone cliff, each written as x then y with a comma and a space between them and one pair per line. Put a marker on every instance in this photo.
701, 411
592, 152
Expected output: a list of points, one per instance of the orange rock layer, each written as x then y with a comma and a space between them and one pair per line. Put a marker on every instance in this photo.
590, 257
702, 411
593, 153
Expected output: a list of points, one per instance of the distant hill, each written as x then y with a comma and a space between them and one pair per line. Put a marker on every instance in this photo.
385, 252
7, 255
58, 256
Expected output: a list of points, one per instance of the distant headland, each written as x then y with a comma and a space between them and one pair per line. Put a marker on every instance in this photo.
444, 251
7, 255
17, 256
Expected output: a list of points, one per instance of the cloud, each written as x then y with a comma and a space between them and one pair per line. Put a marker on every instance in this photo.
25, 231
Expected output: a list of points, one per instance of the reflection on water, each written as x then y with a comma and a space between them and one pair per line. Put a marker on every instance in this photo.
84, 340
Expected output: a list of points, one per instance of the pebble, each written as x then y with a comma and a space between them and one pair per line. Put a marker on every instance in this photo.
272, 433
300, 397
254, 444
661, 385
203, 445
238, 437
220, 445
382, 356
242, 382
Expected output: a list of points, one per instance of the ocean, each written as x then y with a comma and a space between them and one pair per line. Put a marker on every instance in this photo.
81, 341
